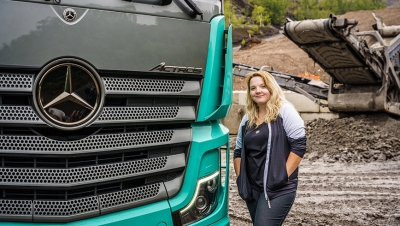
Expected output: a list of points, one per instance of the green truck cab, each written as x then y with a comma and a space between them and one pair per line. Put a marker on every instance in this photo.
110, 112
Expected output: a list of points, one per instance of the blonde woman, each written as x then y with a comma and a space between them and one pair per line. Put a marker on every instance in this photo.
270, 144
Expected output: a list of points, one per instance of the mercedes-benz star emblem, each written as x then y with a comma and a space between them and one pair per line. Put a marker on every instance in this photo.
68, 95
69, 15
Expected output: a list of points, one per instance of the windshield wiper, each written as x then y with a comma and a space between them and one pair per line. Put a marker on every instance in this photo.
55, 1
195, 10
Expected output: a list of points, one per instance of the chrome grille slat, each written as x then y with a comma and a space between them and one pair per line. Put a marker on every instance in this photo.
77, 176
95, 143
143, 85
65, 208
19, 114
131, 197
24, 82
16, 82
150, 86
137, 113
16, 208
110, 115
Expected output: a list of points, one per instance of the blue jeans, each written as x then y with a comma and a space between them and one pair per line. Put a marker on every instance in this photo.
261, 214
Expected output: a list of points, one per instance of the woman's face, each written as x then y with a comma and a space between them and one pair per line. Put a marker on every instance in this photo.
258, 91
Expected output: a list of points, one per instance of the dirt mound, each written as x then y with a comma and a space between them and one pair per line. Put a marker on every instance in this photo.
358, 138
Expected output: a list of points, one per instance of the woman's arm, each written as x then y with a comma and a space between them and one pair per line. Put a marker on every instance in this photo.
292, 163
295, 130
236, 165
238, 148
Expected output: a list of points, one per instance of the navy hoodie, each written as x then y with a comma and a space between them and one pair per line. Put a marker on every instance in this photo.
286, 134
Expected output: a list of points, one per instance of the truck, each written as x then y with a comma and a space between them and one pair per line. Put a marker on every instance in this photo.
110, 112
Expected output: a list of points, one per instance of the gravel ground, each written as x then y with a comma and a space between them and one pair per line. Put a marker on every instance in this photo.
349, 176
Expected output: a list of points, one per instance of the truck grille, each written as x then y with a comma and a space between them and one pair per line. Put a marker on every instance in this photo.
129, 156
16, 81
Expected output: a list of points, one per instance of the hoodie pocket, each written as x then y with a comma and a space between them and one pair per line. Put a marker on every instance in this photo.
277, 179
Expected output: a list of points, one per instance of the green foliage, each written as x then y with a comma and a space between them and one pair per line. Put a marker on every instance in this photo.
243, 42
306, 9
267, 12
247, 12
275, 9
254, 28
230, 15
260, 16
315, 9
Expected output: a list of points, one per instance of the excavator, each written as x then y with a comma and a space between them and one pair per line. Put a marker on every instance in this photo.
364, 66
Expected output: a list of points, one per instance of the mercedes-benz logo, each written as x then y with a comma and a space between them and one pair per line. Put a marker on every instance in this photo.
69, 15
68, 94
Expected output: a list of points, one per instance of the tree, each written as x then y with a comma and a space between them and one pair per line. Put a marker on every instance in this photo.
230, 15
260, 15
276, 10
229, 12
306, 10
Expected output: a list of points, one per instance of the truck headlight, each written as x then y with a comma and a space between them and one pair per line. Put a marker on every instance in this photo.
204, 200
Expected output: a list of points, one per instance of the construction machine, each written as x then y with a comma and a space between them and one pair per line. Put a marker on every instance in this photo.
364, 66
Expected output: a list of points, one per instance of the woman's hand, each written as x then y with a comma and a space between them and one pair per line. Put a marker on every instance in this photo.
292, 163
236, 165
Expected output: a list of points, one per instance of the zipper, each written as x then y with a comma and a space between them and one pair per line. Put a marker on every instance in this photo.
267, 164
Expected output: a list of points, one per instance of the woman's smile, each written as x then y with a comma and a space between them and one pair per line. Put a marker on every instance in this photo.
258, 91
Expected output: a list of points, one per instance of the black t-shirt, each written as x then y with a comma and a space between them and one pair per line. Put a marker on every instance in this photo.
256, 141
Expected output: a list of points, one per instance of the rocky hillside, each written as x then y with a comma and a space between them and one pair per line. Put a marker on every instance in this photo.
364, 21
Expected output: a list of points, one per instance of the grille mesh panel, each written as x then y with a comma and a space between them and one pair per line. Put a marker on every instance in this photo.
130, 195
138, 113
15, 207
75, 175
17, 113
96, 142
16, 81
65, 208
25, 113
143, 85
49, 208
